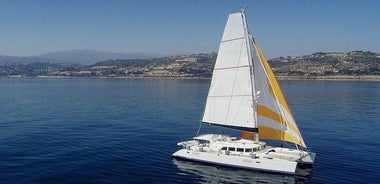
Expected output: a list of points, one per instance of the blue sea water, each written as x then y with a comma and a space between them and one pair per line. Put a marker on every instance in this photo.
125, 130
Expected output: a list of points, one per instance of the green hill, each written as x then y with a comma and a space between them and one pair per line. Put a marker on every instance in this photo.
318, 65
328, 64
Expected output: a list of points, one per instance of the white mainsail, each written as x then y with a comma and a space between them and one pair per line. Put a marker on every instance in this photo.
229, 101
231, 98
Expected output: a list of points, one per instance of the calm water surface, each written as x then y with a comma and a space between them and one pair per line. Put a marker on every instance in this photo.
125, 130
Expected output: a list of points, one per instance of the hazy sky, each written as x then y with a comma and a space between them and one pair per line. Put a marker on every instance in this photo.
281, 27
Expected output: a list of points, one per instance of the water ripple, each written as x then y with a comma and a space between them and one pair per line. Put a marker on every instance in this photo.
124, 131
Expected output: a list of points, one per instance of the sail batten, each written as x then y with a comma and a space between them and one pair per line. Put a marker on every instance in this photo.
233, 39
233, 67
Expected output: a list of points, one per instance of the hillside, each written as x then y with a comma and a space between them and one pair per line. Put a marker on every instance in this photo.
179, 66
328, 64
91, 56
355, 64
76, 56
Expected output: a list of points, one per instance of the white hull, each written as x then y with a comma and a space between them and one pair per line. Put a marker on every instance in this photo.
277, 166
242, 153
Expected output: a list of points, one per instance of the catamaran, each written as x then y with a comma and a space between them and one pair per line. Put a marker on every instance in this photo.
245, 95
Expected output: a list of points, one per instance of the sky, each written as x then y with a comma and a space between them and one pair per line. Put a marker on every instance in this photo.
168, 27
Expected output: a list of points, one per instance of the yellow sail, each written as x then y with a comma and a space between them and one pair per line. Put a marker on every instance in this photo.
275, 119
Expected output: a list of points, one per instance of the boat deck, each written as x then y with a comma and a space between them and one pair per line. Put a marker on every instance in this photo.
223, 144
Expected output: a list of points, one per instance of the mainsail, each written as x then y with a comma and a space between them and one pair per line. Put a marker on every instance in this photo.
240, 100
229, 101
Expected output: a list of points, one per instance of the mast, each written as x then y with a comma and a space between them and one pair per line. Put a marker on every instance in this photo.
249, 41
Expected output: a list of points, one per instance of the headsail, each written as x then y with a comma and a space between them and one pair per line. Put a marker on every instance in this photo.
229, 101
275, 118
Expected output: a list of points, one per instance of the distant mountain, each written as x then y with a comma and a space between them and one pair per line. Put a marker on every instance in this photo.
77, 56
91, 56
18, 59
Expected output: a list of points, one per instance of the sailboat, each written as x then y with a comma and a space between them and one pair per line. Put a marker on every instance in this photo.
245, 95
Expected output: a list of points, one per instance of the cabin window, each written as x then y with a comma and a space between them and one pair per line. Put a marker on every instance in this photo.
248, 150
231, 149
224, 148
240, 149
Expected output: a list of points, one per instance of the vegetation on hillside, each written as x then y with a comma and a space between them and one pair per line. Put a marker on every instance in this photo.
355, 63
328, 64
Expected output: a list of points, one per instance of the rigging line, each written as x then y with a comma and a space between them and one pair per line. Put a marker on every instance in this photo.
203, 113
199, 128
234, 83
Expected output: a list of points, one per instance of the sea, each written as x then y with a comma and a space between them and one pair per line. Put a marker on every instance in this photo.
79, 130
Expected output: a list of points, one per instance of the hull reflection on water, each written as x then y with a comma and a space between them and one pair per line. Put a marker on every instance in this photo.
211, 174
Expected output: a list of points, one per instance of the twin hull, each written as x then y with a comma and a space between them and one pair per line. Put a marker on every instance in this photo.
278, 166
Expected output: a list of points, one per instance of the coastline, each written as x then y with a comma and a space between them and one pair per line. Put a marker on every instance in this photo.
332, 78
